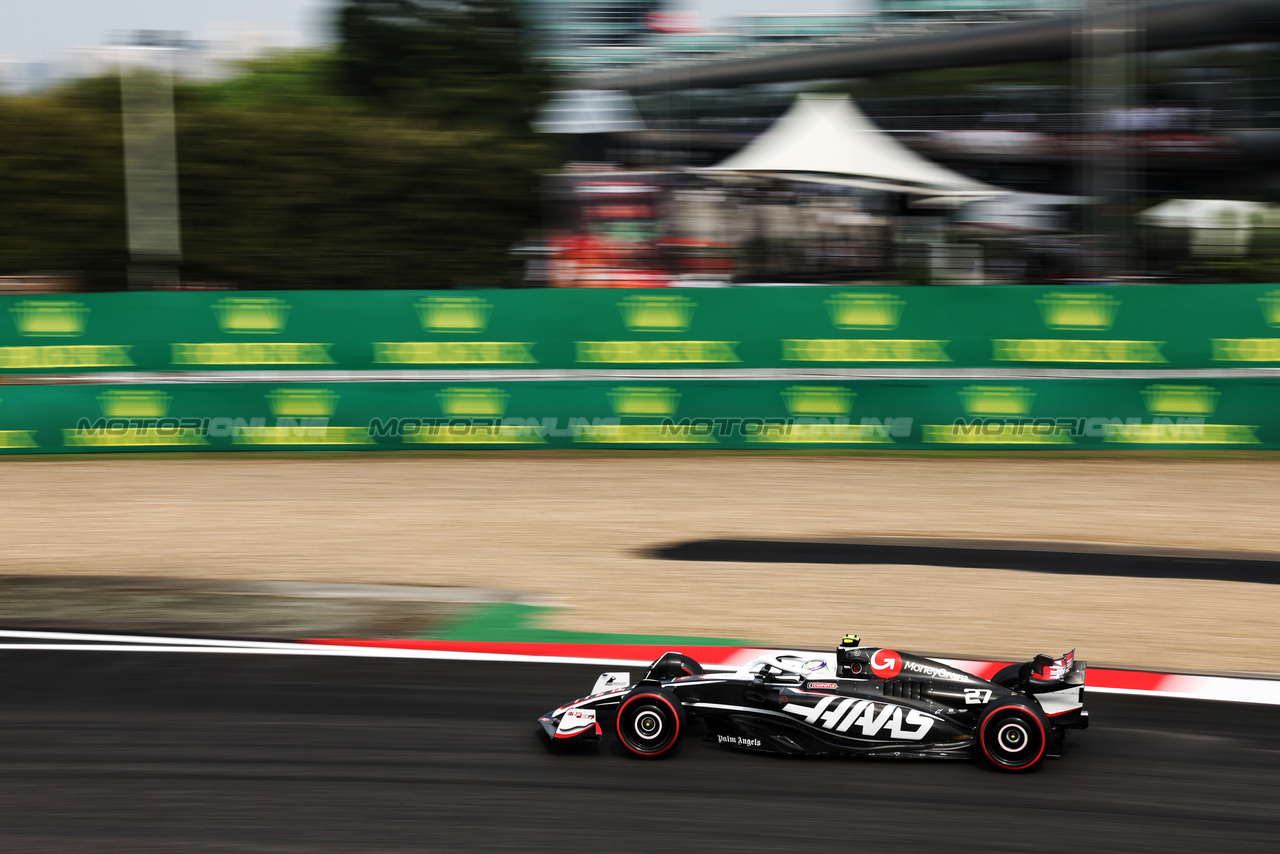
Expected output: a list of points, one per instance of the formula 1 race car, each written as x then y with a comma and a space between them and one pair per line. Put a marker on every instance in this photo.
860, 702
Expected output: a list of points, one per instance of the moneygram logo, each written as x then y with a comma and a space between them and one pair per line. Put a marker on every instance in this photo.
473, 402
454, 313
135, 404
251, 315
865, 311
1005, 401
657, 312
630, 402
1188, 400
1078, 311
302, 403
818, 401
1270, 303
50, 318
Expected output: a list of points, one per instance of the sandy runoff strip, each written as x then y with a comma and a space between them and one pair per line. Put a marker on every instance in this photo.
574, 527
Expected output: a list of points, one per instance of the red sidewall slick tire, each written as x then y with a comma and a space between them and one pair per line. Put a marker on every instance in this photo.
1012, 736
649, 722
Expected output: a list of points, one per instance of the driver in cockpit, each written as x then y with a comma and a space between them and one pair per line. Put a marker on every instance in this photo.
847, 663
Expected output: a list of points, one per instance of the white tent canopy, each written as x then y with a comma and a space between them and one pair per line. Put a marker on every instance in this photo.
827, 139
1202, 213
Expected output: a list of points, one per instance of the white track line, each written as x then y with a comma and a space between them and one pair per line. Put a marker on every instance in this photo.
1215, 688
330, 650
143, 639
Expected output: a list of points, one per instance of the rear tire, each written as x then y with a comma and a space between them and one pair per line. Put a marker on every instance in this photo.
1007, 677
1013, 735
650, 721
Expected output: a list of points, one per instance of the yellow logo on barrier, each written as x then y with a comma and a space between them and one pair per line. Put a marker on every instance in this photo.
999, 416
1078, 311
818, 401
477, 415
639, 402
641, 434
863, 350
657, 312
643, 402
1270, 303
302, 418
1188, 400
822, 413
50, 318
1192, 404
453, 352
251, 353
865, 311
473, 402
302, 402
131, 422
10, 439
657, 352
1246, 349
440, 313
244, 315
994, 433
1075, 311
990, 400
135, 403
1075, 350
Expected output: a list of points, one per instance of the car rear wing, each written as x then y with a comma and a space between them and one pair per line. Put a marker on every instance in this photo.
1043, 673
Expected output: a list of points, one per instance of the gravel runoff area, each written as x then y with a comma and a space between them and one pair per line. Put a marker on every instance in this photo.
573, 527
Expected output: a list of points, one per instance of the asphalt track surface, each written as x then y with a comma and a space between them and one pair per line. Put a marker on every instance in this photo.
1063, 558
157, 752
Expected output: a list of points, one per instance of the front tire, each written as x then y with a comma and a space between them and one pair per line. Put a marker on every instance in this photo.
1013, 735
650, 721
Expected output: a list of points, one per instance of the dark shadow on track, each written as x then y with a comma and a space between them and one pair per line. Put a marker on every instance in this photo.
1066, 558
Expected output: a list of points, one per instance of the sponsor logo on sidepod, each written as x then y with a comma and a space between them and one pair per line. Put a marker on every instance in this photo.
871, 718
886, 663
935, 672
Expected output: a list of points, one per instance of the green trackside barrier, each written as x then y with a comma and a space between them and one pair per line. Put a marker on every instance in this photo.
1174, 326
886, 414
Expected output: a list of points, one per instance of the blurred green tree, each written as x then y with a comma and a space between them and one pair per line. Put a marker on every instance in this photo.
456, 61
284, 189
62, 184
404, 158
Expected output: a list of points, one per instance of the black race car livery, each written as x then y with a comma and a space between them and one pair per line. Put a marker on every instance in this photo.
860, 702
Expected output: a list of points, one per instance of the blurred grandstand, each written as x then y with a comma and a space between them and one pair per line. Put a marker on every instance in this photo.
1078, 115
1086, 112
